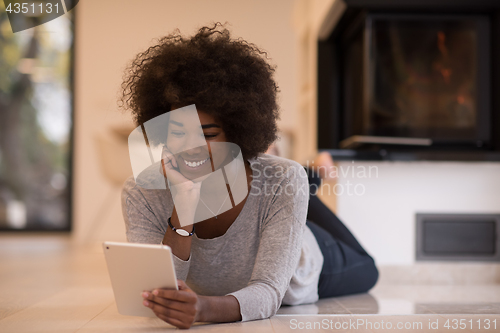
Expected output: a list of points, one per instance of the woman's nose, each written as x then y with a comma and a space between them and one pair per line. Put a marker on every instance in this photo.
194, 143
194, 151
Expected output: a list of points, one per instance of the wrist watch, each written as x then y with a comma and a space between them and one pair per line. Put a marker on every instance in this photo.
181, 232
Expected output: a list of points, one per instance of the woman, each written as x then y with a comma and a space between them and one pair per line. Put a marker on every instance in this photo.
244, 262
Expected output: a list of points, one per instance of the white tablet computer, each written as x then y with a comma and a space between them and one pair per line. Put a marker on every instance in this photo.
134, 268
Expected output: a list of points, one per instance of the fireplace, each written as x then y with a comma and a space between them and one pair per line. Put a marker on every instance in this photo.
413, 79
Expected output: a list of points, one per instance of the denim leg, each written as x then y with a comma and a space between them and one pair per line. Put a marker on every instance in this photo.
322, 216
345, 270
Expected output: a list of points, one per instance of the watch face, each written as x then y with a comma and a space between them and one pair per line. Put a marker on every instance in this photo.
182, 232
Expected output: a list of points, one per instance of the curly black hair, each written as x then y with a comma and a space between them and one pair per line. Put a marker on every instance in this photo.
227, 78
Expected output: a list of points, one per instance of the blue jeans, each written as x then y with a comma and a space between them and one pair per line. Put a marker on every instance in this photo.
347, 268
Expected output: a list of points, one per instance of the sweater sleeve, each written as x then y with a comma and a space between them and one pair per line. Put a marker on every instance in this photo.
279, 248
143, 226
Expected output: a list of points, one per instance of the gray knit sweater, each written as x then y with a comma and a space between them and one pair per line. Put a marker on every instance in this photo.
267, 257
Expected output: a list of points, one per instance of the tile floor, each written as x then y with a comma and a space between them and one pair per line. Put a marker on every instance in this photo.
48, 284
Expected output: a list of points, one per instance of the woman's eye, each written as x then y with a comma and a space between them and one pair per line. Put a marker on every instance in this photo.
209, 136
178, 134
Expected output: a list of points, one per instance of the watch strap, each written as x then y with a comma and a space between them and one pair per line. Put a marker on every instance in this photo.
179, 231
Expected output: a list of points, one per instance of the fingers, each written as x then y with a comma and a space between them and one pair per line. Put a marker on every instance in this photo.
180, 318
168, 157
167, 161
167, 165
171, 294
179, 308
168, 303
162, 169
169, 172
181, 284
158, 308
173, 321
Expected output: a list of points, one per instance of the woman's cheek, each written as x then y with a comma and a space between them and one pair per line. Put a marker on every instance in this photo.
174, 145
221, 157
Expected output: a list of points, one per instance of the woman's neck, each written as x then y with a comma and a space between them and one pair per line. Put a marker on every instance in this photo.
215, 227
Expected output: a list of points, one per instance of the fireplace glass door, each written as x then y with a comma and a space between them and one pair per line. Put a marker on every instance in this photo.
426, 77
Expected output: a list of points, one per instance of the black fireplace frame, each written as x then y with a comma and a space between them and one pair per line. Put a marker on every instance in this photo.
330, 71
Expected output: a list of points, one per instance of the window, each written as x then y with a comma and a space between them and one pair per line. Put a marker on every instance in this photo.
36, 124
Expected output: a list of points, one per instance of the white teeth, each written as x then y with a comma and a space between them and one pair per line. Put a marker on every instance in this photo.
195, 164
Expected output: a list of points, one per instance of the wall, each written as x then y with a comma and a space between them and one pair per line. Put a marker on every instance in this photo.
109, 34
308, 16
383, 215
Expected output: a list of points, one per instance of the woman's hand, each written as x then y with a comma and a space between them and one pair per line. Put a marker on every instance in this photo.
180, 308
170, 169
187, 192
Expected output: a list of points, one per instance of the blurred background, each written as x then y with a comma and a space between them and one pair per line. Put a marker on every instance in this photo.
36, 125
63, 148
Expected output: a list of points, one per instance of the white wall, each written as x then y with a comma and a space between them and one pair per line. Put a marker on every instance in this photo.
383, 218
109, 33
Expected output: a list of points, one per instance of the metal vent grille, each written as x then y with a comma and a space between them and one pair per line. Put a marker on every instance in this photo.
464, 237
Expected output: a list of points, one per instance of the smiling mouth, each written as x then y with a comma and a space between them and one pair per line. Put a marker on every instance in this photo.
195, 164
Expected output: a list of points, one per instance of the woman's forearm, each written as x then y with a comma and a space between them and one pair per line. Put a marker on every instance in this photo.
181, 246
219, 309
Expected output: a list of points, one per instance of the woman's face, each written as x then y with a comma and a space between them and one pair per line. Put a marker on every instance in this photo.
196, 149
